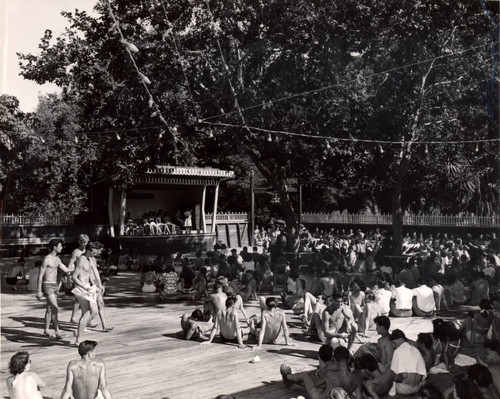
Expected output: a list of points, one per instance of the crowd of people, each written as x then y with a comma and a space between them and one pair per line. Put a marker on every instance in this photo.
159, 222
343, 284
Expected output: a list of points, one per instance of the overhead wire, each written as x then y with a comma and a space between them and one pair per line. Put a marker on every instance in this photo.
329, 87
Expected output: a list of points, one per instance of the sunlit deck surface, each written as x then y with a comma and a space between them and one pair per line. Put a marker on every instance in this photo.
146, 355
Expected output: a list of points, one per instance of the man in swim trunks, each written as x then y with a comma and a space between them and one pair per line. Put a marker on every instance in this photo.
86, 378
272, 322
83, 240
227, 320
47, 285
99, 289
86, 287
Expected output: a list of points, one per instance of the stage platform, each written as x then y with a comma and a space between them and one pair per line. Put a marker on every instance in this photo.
146, 355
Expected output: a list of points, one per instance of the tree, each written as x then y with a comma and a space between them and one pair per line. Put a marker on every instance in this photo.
43, 168
14, 138
293, 88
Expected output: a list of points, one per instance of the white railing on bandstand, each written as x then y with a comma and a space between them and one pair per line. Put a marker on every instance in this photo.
408, 220
228, 217
36, 220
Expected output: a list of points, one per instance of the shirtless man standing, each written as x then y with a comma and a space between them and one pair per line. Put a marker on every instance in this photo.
83, 240
99, 289
86, 378
47, 285
272, 322
227, 320
86, 287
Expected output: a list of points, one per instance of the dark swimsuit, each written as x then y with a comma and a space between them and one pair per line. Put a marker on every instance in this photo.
11, 280
229, 340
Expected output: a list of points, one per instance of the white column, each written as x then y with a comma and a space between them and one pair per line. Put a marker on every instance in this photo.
110, 212
214, 215
203, 221
123, 208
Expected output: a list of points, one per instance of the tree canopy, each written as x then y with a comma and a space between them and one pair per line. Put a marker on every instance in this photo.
382, 104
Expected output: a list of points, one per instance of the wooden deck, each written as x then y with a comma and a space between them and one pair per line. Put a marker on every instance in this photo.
146, 355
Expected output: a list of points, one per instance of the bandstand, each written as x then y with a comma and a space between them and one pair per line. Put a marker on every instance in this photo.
171, 191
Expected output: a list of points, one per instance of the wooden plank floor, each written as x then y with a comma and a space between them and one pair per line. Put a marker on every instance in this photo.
146, 355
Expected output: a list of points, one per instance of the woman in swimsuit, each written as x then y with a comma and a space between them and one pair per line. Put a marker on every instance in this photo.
477, 325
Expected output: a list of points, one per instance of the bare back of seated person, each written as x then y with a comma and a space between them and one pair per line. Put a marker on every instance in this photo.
86, 378
273, 324
227, 319
25, 386
214, 303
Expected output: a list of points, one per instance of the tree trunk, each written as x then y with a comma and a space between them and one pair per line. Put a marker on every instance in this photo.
397, 208
397, 219
289, 214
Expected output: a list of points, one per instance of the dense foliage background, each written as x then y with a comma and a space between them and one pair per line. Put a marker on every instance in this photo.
382, 106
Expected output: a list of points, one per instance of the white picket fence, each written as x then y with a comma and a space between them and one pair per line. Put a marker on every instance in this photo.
314, 218
34, 220
408, 220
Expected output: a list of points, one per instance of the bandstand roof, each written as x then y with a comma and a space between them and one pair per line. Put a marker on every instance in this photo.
184, 175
